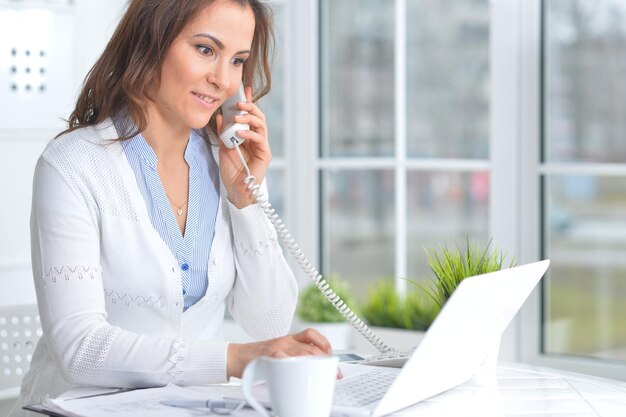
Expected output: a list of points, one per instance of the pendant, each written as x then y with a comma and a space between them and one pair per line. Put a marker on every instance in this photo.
180, 211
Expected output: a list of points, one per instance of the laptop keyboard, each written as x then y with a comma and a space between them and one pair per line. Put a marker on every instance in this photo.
364, 388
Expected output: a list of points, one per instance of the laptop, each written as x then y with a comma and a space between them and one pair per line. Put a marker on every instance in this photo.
465, 335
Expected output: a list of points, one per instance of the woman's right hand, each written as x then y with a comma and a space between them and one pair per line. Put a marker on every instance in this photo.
307, 342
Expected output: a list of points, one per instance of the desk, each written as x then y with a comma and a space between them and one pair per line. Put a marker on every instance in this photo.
524, 390
514, 390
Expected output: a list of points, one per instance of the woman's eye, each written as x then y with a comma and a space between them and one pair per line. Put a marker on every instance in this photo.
205, 50
238, 61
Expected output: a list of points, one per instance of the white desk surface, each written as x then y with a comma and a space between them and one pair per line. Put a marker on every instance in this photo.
519, 390
523, 390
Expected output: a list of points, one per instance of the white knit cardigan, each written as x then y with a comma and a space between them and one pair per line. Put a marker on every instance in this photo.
109, 289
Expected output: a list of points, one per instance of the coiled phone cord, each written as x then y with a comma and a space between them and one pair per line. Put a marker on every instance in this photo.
306, 266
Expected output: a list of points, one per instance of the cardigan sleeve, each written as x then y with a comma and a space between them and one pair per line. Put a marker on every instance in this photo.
86, 349
265, 293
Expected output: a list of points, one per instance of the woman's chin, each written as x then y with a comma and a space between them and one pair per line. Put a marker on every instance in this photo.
198, 123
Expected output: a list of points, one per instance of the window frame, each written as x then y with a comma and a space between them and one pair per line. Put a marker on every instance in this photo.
400, 163
515, 213
518, 27
301, 96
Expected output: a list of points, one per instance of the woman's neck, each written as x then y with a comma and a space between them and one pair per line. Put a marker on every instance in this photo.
168, 140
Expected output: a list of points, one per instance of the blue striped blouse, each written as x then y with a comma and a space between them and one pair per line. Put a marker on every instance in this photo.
193, 249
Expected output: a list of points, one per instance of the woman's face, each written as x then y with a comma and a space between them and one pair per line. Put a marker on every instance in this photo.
204, 64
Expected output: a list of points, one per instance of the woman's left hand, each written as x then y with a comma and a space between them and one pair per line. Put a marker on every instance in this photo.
255, 149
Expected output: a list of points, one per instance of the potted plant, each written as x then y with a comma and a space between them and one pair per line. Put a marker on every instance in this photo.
394, 319
399, 321
315, 311
452, 265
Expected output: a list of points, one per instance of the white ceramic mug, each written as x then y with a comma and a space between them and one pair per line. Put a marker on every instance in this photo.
299, 386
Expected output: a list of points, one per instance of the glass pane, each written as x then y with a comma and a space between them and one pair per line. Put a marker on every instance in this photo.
357, 78
276, 187
585, 87
448, 78
358, 227
585, 312
444, 208
273, 103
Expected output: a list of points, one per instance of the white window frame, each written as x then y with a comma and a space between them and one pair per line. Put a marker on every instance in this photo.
399, 163
515, 171
505, 123
531, 172
301, 89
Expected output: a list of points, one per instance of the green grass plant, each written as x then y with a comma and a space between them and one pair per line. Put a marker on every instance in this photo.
419, 311
315, 308
385, 308
451, 265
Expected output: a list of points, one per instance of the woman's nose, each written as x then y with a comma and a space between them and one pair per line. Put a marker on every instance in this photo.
218, 75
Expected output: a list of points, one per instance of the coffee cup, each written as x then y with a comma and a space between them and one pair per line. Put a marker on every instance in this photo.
299, 386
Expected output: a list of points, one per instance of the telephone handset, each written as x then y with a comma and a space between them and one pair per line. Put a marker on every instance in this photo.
231, 140
229, 110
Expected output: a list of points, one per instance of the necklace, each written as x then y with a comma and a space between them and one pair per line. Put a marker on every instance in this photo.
179, 210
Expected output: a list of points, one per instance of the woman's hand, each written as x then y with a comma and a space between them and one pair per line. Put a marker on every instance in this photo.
307, 342
255, 149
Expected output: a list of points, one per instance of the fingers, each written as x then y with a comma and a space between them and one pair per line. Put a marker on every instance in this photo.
258, 133
257, 123
306, 343
315, 338
261, 151
255, 117
252, 109
248, 92
292, 347
279, 354
255, 149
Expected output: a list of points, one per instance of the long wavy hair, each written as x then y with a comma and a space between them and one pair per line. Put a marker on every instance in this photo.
129, 70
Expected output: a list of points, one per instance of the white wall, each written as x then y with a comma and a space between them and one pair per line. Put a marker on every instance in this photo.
80, 34
91, 22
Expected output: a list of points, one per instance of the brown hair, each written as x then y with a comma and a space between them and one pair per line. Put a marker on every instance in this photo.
129, 69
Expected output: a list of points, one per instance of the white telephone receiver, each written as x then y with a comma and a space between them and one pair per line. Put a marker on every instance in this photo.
229, 110
232, 140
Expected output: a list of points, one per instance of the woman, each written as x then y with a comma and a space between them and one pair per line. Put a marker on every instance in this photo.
142, 229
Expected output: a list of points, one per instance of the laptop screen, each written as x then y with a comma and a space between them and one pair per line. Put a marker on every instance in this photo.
464, 335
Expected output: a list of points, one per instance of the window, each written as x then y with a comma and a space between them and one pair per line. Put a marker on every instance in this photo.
273, 106
441, 120
584, 178
404, 134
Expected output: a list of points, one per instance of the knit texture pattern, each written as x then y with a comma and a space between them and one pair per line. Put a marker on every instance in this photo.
95, 175
109, 289
88, 362
67, 273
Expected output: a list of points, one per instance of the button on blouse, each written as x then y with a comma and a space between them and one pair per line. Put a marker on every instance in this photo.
191, 250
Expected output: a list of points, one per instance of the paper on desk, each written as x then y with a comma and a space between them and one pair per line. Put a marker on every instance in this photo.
84, 392
136, 403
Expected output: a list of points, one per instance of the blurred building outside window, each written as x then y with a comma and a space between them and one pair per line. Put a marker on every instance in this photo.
584, 206
441, 161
